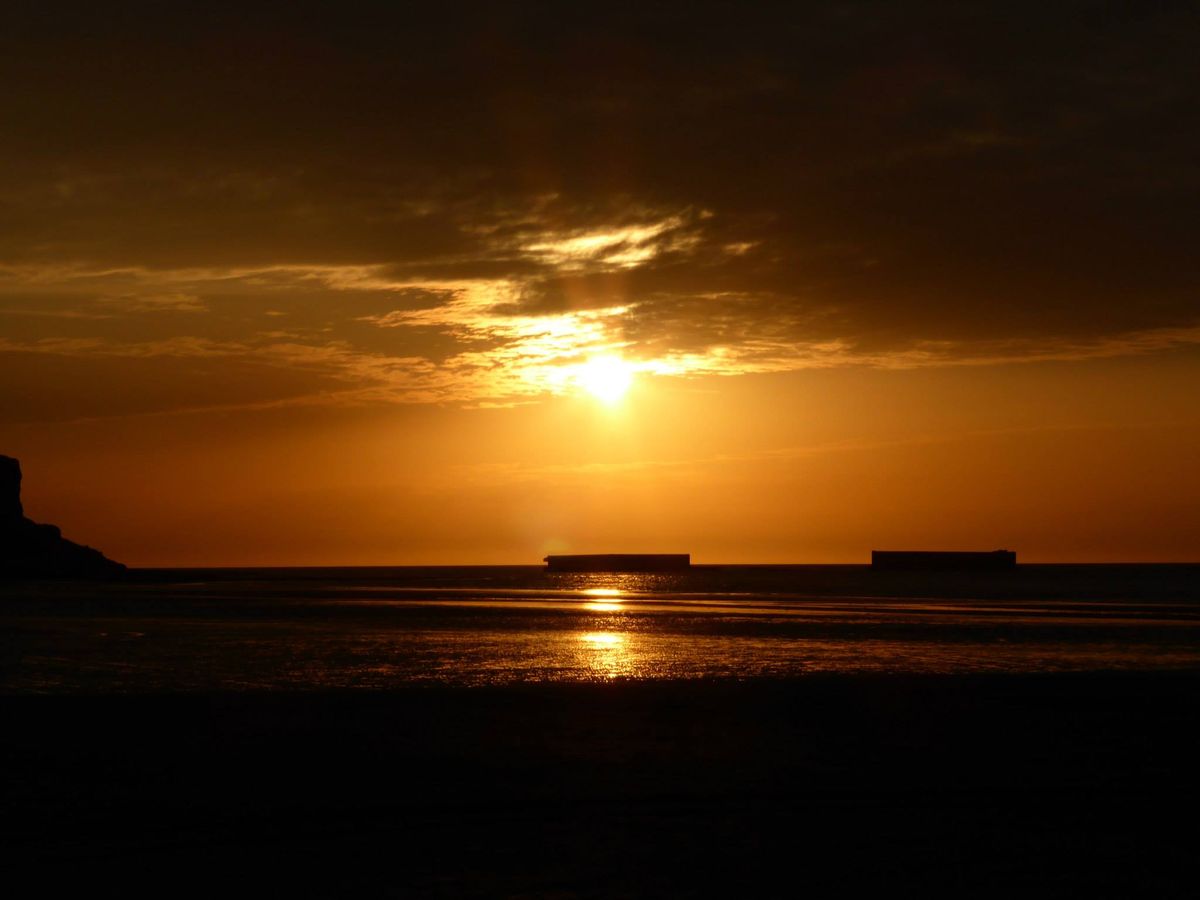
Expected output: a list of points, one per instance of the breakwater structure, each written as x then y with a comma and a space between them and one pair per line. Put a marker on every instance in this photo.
943, 560
619, 562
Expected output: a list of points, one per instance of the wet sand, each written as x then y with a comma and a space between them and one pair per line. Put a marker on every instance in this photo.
1051, 784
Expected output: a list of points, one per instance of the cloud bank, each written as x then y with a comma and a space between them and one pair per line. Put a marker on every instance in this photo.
377, 207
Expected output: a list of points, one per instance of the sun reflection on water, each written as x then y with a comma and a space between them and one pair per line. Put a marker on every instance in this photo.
603, 639
606, 654
606, 605
616, 584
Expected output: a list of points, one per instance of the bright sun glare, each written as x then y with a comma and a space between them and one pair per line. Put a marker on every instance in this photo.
607, 378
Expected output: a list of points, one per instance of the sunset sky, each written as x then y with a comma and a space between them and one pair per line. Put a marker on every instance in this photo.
357, 283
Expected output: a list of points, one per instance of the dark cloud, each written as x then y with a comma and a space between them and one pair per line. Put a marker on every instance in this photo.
992, 179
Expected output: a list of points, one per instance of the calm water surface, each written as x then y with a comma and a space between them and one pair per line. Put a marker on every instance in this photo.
378, 628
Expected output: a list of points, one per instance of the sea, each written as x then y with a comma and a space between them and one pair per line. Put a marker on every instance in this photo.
303, 629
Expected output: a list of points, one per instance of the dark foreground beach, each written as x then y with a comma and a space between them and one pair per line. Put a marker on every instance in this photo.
1064, 784
489, 733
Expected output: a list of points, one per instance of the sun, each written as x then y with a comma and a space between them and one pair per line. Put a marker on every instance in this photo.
606, 378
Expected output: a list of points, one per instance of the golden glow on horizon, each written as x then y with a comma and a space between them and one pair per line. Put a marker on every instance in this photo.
603, 592
1057, 463
607, 378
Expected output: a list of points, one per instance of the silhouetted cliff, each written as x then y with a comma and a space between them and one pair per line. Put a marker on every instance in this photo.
30, 550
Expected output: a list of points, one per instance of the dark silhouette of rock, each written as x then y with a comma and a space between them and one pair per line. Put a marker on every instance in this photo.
30, 550
10, 490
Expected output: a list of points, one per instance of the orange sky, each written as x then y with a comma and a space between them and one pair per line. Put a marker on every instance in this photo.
342, 286
1076, 461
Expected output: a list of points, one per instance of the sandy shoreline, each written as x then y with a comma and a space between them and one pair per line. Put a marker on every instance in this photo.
627, 788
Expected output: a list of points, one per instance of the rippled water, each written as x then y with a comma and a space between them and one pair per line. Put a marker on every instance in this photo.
302, 629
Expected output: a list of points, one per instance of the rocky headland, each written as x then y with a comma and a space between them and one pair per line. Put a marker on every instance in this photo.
31, 550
